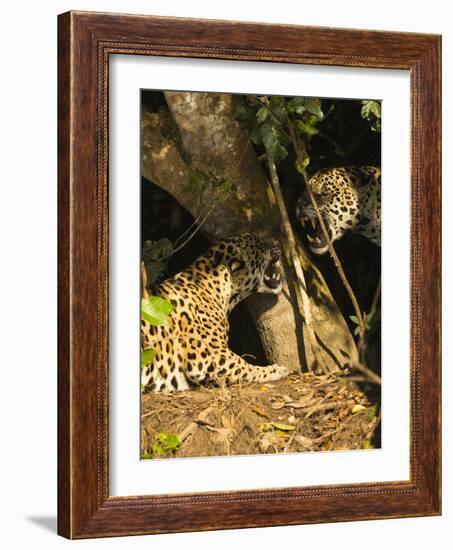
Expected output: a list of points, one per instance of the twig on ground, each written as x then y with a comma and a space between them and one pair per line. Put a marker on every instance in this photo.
330, 405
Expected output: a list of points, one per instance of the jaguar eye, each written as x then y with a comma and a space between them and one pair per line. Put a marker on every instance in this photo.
236, 265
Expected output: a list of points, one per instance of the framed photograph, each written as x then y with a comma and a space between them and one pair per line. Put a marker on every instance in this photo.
249, 275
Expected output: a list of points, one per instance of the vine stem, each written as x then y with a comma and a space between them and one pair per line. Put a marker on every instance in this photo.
197, 228
301, 288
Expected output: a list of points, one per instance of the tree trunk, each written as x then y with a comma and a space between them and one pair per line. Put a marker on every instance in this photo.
199, 132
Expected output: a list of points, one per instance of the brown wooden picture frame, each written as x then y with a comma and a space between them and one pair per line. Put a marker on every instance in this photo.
85, 41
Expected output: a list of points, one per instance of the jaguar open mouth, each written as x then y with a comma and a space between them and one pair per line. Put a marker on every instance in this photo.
315, 235
273, 275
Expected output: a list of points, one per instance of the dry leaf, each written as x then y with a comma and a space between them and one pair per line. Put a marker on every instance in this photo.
283, 427
303, 441
260, 411
227, 422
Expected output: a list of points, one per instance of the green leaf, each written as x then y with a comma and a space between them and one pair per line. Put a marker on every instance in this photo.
157, 449
283, 427
274, 141
155, 310
171, 441
354, 319
262, 114
245, 114
147, 456
297, 105
198, 180
313, 106
165, 443
306, 128
147, 356
302, 164
371, 111
256, 136
373, 411
278, 108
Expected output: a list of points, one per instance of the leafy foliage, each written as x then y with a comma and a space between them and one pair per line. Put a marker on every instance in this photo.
373, 411
165, 444
268, 120
371, 319
147, 356
274, 140
212, 179
155, 310
371, 111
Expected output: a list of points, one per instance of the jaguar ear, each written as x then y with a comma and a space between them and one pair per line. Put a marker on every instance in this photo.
236, 265
218, 257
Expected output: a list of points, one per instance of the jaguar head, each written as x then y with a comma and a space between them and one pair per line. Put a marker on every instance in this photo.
253, 264
338, 204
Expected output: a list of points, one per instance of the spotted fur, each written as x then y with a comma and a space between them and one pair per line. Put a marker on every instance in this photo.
192, 347
349, 200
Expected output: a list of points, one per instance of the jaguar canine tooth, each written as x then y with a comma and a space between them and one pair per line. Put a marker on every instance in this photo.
310, 239
313, 223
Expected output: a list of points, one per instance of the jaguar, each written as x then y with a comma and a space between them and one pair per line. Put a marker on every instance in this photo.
191, 348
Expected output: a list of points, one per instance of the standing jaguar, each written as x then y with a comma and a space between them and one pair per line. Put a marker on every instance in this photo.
349, 199
192, 347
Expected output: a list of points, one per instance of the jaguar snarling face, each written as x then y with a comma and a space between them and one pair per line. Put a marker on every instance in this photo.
254, 265
339, 195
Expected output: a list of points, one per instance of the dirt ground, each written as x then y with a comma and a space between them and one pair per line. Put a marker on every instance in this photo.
302, 413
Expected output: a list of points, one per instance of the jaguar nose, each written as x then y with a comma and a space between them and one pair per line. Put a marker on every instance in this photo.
274, 247
273, 243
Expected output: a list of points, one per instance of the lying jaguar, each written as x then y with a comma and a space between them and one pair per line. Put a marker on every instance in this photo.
192, 347
349, 199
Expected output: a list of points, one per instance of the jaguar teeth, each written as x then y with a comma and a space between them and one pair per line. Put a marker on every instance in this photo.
313, 223
315, 240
